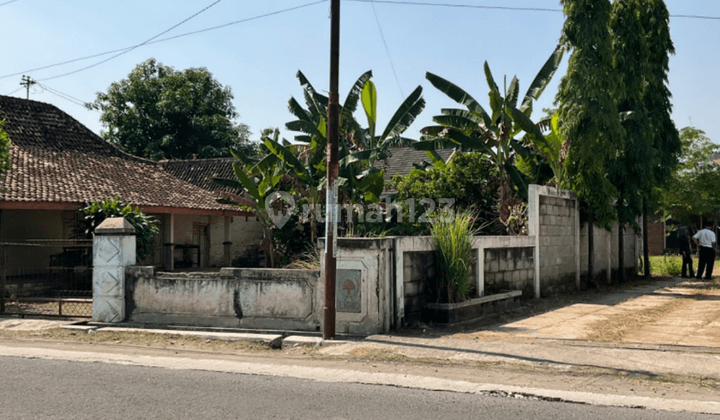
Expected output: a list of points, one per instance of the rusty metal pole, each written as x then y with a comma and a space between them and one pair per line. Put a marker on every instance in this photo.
333, 132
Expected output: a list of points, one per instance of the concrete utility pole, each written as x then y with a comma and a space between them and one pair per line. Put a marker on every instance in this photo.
27, 82
333, 131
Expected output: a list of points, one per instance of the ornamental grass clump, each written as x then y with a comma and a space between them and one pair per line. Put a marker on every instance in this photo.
453, 237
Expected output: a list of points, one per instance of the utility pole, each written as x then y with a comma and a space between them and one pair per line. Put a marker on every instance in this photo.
331, 211
27, 82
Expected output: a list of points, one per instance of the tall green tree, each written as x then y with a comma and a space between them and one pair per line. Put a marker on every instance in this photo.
160, 113
664, 135
589, 120
631, 172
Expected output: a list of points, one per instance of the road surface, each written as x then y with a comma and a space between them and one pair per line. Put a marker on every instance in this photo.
37, 388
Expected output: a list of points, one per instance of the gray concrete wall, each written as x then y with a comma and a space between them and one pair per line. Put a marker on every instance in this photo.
509, 269
232, 297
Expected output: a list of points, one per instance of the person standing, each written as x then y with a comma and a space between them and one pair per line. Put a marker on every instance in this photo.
684, 235
705, 240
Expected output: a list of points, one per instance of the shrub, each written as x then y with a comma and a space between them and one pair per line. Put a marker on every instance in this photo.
453, 238
145, 226
470, 178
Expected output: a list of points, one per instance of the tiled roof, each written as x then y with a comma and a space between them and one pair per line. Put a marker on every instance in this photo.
56, 159
201, 172
403, 161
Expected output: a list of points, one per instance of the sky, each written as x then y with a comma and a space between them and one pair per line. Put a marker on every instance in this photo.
257, 47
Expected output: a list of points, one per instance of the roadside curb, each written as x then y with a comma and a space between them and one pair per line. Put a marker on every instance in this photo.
275, 341
369, 378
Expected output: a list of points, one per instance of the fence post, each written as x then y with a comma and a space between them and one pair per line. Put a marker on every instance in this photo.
113, 250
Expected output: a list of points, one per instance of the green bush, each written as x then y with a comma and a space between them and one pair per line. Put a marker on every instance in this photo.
470, 178
666, 265
453, 238
145, 226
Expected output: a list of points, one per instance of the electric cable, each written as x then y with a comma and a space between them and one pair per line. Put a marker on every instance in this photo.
520, 9
387, 50
167, 39
21, 87
63, 95
7, 2
133, 47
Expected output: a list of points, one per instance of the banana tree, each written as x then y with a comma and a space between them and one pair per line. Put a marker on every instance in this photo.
306, 169
359, 147
493, 133
258, 179
549, 152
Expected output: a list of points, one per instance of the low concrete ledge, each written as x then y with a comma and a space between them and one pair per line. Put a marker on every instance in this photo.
470, 310
273, 340
299, 340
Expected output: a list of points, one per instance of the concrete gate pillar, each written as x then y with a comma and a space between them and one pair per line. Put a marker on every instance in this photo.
113, 250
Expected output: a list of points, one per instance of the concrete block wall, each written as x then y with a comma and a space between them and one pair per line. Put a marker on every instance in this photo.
558, 267
418, 273
509, 269
562, 243
553, 221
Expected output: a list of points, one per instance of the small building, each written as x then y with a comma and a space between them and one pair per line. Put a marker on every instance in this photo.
59, 165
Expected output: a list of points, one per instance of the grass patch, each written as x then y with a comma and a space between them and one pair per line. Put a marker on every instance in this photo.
666, 265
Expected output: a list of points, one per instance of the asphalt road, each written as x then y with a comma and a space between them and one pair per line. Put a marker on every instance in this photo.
60, 389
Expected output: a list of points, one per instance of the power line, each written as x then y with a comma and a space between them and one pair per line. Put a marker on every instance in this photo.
470, 6
20, 88
7, 2
62, 95
387, 50
136, 46
519, 9
167, 39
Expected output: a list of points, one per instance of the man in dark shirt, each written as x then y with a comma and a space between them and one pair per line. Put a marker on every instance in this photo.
684, 235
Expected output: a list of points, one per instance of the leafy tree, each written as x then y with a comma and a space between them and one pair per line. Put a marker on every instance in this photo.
663, 133
158, 112
631, 172
589, 120
471, 178
692, 188
145, 226
4, 149
474, 129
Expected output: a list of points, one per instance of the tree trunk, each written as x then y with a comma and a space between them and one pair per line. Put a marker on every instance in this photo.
646, 251
591, 251
621, 253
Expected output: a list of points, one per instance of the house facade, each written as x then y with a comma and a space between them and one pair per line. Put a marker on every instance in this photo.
58, 165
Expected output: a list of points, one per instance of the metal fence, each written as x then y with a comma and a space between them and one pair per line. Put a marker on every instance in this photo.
48, 277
